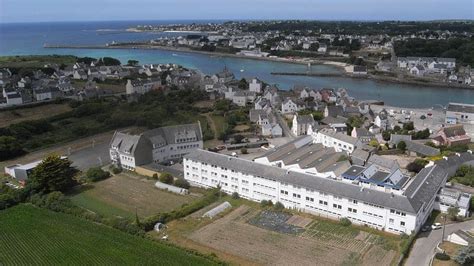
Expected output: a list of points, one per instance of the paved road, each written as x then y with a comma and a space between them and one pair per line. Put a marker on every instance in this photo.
424, 247
89, 157
284, 126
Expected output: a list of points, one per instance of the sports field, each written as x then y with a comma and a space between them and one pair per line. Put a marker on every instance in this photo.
34, 236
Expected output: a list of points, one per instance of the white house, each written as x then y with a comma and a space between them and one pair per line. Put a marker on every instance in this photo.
381, 120
141, 86
301, 124
255, 85
289, 106
337, 140
452, 198
461, 113
157, 145
461, 237
403, 211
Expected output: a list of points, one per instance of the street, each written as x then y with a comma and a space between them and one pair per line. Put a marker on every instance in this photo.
424, 247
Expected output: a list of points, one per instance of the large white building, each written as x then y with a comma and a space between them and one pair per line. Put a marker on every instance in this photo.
461, 113
395, 211
337, 140
157, 145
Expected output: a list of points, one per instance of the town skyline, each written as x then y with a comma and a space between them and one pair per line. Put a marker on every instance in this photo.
366, 10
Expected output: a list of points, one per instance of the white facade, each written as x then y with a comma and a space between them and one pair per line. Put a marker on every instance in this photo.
255, 85
210, 170
289, 106
338, 141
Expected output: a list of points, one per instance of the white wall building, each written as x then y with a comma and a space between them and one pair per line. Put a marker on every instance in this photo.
460, 113
337, 140
395, 213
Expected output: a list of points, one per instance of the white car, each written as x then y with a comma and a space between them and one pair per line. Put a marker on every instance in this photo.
436, 226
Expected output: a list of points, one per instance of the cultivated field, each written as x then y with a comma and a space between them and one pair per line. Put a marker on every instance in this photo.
33, 236
122, 194
269, 238
9, 117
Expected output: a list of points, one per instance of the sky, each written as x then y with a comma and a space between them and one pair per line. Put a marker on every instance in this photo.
107, 10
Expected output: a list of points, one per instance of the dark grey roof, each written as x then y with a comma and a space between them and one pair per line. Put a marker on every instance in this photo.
395, 138
422, 149
461, 107
334, 120
126, 143
383, 162
335, 110
171, 134
359, 156
419, 192
305, 119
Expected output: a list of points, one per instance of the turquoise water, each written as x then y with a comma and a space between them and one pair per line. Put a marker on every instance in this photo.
28, 38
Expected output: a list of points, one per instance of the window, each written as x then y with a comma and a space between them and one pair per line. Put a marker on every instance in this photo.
402, 223
390, 221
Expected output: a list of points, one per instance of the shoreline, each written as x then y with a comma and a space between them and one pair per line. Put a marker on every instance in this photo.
340, 65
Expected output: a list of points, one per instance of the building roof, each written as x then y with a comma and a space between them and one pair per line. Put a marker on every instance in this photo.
125, 143
383, 162
422, 149
461, 107
174, 134
305, 119
338, 135
418, 193
453, 131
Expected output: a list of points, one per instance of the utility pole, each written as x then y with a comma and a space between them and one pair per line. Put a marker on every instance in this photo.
444, 225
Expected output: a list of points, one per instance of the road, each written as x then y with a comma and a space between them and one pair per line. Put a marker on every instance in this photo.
88, 157
424, 247
284, 126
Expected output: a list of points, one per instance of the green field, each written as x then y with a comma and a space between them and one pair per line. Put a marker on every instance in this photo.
30, 235
36, 60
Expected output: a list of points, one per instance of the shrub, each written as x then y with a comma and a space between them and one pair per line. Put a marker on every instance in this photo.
95, 174
345, 222
442, 256
402, 146
278, 206
155, 176
266, 203
166, 178
235, 195
182, 183
244, 151
115, 170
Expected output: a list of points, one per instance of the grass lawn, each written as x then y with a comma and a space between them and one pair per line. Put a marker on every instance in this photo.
219, 122
34, 236
451, 249
124, 193
35, 60
9, 117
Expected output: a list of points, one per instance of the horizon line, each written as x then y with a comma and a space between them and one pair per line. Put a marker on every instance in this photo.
244, 19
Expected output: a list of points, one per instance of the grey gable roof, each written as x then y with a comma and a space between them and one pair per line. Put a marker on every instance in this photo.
125, 143
419, 192
169, 134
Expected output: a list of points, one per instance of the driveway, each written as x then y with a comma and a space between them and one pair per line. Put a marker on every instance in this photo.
284, 126
424, 247
88, 157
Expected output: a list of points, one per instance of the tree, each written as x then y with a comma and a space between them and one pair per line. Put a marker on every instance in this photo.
386, 135
465, 255
453, 213
374, 143
238, 138
278, 206
314, 47
408, 126
166, 178
402, 145
9, 147
243, 84
52, 174
132, 62
417, 165
182, 183
244, 151
95, 174
235, 195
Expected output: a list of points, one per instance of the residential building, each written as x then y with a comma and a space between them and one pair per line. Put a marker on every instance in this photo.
362, 134
395, 211
255, 85
289, 106
337, 140
301, 124
460, 113
451, 135
452, 198
157, 145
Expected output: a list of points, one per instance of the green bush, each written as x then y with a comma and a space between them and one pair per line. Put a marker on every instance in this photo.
244, 151
442, 256
266, 203
278, 206
166, 178
235, 195
95, 174
182, 183
115, 170
345, 222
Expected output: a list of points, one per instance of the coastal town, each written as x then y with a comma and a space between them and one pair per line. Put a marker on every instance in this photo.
313, 150
136, 161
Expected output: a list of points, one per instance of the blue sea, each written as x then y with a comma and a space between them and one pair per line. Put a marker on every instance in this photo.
29, 38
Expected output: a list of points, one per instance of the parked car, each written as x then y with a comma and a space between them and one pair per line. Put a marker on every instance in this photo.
436, 226
426, 228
